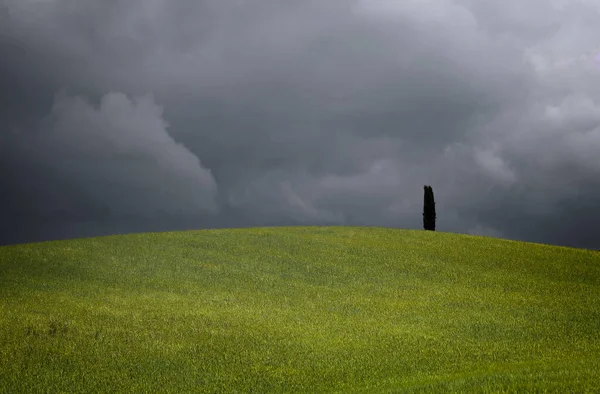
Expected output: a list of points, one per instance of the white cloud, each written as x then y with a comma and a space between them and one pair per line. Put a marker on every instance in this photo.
494, 166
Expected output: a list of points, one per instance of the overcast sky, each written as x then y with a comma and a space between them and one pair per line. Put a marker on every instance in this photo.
156, 115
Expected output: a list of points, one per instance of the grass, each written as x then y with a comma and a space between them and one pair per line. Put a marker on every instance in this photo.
298, 309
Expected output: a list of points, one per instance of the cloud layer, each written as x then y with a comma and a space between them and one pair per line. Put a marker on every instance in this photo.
248, 113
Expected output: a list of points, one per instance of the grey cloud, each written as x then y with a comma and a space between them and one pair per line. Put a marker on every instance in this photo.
313, 112
119, 156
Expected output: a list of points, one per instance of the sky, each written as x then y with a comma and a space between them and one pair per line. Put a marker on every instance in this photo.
128, 116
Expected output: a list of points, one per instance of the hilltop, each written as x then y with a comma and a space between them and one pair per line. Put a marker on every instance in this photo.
298, 309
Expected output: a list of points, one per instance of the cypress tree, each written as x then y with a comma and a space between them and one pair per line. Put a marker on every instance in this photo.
428, 209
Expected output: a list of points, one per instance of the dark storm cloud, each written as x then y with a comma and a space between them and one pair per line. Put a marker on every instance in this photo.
231, 113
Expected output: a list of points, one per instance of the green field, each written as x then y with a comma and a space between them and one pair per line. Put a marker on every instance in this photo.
298, 309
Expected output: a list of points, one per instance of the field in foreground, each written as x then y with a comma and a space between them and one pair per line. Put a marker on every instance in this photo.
298, 309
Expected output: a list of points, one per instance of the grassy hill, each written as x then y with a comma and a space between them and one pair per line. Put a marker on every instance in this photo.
298, 309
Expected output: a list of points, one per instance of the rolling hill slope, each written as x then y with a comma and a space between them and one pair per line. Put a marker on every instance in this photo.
298, 309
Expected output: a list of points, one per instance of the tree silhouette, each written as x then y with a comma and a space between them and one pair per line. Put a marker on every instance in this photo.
428, 209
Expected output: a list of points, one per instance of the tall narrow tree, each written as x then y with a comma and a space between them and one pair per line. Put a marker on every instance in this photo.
428, 209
